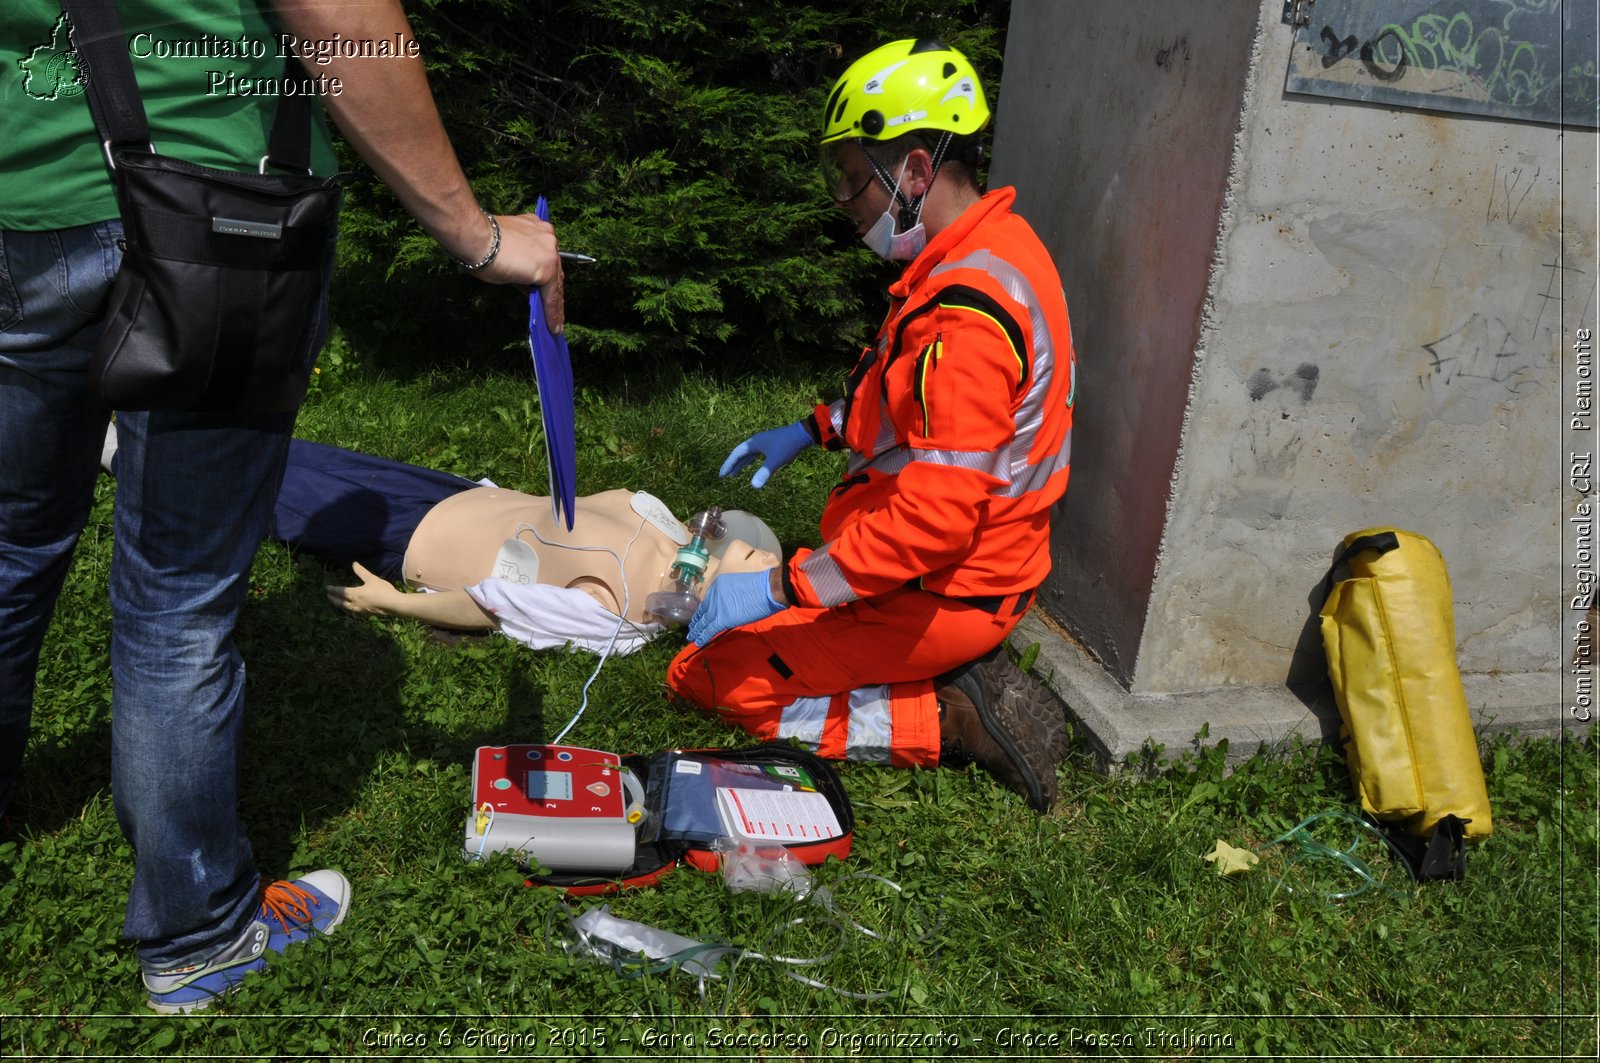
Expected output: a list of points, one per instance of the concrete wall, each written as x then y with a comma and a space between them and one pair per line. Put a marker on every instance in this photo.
1117, 123
1379, 342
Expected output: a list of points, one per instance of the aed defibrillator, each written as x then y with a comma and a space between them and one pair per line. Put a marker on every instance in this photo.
562, 807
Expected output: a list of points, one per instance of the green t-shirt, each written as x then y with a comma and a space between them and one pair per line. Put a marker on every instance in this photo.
200, 65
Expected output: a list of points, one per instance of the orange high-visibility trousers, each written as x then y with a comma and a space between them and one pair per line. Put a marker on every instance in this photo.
854, 682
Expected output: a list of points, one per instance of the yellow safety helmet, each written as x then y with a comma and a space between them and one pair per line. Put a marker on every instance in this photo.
903, 87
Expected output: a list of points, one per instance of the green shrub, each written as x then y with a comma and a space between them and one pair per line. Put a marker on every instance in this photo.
675, 140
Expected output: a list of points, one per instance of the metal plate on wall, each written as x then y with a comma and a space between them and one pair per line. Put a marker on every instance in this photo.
1524, 60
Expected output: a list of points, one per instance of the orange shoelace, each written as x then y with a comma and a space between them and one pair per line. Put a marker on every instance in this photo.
289, 904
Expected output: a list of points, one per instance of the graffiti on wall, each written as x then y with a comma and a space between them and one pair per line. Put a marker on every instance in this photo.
1529, 60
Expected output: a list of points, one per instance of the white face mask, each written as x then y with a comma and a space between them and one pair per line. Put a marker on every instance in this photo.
885, 242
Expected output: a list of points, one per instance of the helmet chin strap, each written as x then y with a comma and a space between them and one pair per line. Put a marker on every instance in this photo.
910, 209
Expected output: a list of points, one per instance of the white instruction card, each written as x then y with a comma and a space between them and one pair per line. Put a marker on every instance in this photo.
777, 815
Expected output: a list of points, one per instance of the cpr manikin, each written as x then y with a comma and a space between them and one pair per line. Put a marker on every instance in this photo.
497, 559
473, 547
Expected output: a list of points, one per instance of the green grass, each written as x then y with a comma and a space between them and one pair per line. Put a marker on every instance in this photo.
1099, 925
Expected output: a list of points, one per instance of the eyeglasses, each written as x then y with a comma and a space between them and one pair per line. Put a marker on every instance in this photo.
836, 180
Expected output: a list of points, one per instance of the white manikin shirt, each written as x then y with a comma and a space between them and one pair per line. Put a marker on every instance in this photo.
546, 617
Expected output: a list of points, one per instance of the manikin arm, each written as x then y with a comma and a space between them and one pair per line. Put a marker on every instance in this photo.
375, 596
378, 597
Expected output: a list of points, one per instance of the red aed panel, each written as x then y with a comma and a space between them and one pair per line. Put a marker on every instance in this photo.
567, 782
563, 807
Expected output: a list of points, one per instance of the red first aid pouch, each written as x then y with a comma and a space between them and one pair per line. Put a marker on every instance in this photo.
770, 794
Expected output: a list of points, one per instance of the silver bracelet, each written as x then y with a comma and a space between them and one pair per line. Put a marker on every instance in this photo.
494, 248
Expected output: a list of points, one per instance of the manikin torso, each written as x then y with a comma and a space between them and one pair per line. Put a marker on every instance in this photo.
457, 542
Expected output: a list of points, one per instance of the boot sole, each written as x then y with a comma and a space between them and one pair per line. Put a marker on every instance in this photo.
1032, 699
1038, 800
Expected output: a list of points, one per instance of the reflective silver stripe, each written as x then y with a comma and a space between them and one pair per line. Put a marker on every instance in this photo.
1034, 477
1022, 476
1016, 478
978, 260
881, 447
827, 579
889, 462
802, 719
886, 437
871, 725
868, 732
976, 460
896, 460
836, 416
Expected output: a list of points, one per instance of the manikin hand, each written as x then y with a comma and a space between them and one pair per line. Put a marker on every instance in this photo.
779, 446
372, 597
456, 610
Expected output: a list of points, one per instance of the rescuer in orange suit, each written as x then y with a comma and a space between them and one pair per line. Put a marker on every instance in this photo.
885, 643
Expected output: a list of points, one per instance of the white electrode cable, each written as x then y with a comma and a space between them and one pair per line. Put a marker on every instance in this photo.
622, 618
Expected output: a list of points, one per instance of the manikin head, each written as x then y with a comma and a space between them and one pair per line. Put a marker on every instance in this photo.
735, 541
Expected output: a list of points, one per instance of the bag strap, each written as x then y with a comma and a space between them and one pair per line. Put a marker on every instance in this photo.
118, 109
1382, 542
1443, 855
107, 73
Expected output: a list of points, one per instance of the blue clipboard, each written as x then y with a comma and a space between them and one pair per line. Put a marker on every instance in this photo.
552, 371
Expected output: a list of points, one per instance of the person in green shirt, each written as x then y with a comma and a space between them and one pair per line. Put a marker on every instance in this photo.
196, 491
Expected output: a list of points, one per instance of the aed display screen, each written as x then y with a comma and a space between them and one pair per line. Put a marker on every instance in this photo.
549, 786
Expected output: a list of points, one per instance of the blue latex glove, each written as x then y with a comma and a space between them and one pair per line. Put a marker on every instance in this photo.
779, 446
734, 598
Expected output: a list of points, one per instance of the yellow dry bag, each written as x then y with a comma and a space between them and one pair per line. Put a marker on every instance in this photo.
1389, 632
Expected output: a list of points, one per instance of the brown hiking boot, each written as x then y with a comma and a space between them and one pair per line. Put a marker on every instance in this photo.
1031, 700
980, 722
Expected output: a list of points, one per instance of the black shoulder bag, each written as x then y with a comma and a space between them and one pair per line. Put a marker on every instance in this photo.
222, 271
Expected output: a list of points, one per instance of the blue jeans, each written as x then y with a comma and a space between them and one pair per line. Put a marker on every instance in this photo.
194, 497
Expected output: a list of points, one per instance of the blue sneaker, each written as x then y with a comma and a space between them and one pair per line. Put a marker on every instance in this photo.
290, 912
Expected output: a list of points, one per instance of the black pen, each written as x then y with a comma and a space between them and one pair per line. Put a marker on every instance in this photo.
573, 256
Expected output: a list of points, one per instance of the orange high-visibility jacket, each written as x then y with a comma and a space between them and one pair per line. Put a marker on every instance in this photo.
958, 422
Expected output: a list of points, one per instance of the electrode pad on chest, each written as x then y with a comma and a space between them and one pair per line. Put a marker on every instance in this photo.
517, 562
656, 512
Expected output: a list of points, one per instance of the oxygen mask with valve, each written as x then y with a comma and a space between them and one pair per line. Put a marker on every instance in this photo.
679, 596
